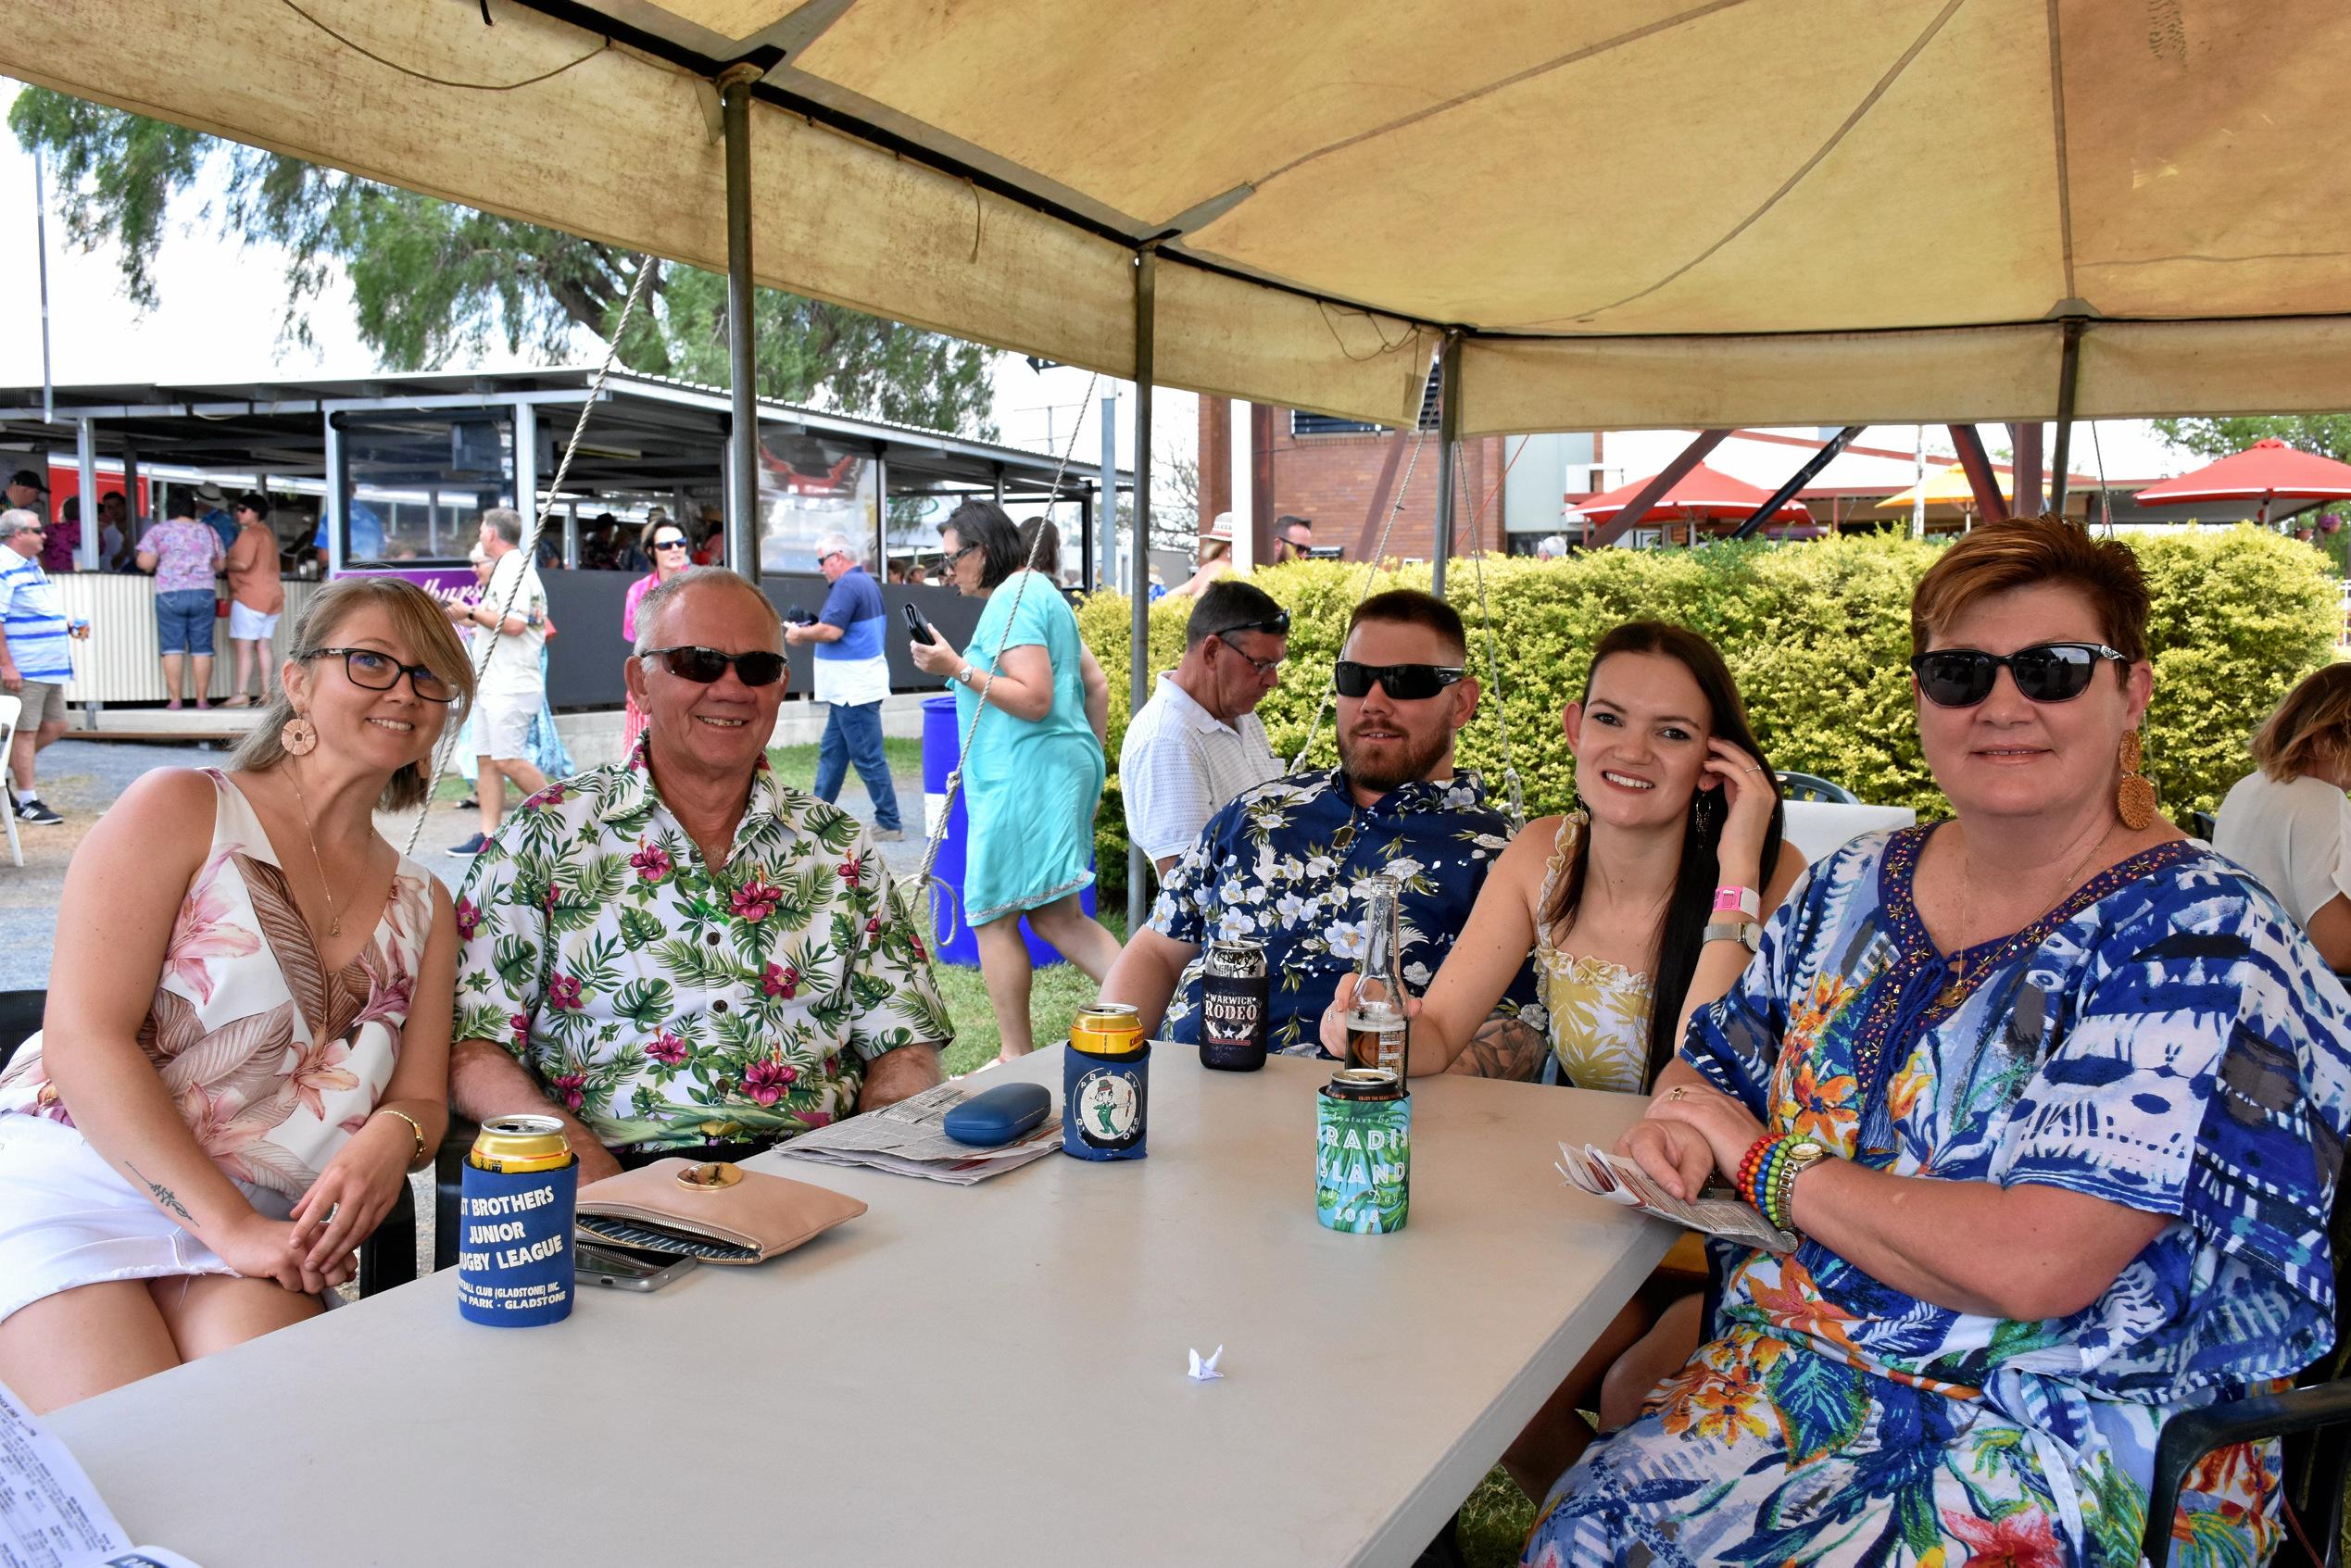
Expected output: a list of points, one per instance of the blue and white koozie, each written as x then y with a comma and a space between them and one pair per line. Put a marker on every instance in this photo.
515, 1225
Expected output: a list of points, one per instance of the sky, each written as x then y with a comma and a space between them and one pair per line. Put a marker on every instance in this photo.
221, 315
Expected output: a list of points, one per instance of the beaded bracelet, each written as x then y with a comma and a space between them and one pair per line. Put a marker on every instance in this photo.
1756, 1171
1744, 1181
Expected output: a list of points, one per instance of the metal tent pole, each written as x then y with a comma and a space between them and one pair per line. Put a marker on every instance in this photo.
1448, 474
743, 437
1105, 516
1803, 476
1139, 580
2068, 372
881, 562
85, 451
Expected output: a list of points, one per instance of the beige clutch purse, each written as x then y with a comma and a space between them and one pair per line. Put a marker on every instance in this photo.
718, 1213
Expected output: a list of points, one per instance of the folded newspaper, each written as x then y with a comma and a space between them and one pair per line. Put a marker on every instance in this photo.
1621, 1180
908, 1140
50, 1514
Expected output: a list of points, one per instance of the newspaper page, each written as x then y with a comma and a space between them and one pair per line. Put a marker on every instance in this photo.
50, 1514
1621, 1180
908, 1139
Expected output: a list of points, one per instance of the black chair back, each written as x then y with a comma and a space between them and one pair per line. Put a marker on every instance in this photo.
1811, 786
19, 1019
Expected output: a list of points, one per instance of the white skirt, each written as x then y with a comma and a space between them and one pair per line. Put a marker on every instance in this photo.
68, 1219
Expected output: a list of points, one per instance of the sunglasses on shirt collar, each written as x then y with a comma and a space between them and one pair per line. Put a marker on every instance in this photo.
1404, 683
2043, 672
705, 666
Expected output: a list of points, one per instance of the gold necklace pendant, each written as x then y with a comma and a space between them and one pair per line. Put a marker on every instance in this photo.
1954, 988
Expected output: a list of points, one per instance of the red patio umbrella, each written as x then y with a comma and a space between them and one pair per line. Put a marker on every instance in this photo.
2265, 472
1702, 495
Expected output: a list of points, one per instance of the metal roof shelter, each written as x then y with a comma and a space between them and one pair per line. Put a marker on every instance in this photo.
648, 435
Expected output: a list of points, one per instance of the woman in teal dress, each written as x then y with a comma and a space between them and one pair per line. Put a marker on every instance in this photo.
1034, 774
2053, 1100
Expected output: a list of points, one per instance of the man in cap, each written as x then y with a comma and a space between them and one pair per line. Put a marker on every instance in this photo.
212, 510
34, 662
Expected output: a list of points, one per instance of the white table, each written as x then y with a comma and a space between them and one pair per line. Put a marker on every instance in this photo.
980, 1375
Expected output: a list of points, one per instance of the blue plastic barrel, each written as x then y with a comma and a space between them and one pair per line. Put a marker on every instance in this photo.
942, 740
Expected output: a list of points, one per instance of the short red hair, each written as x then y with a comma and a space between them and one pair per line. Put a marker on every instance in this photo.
2026, 552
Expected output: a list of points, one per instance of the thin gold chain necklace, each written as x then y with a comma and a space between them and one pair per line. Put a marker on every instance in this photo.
335, 916
1956, 984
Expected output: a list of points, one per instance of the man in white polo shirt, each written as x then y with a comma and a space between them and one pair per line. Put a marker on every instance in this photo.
1197, 743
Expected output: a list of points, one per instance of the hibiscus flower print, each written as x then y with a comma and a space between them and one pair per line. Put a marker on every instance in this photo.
546, 799
571, 1088
652, 864
767, 1079
520, 1024
202, 932
2024, 1540
469, 919
781, 980
564, 993
851, 869
666, 1048
755, 900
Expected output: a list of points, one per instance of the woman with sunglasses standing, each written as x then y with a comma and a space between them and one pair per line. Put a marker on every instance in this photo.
1674, 841
665, 542
247, 1037
2052, 1101
1033, 772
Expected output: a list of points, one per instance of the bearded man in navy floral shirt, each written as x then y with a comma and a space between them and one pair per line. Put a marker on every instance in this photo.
1279, 863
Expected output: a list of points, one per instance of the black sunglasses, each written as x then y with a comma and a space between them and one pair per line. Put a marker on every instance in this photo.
2043, 672
1405, 683
1275, 624
380, 672
703, 666
669, 543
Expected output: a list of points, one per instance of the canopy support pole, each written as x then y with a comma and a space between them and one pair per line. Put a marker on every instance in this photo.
881, 562
2026, 470
1440, 546
1664, 479
1103, 519
2069, 371
743, 434
85, 451
1972, 457
1139, 584
1801, 477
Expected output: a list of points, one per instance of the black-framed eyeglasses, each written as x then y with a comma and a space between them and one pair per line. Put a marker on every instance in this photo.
2043, 672
829, 555
669, 543
954, 556
1404, 683
378, 672
704, 666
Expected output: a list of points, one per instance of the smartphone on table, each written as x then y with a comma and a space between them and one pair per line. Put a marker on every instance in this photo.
626, 1268
918, 626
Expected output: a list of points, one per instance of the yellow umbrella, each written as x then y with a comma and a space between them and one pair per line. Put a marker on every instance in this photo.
1949, 488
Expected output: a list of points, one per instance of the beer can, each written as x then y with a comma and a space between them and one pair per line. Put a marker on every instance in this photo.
519, 1144
1235, 999
1363, 1153
515, 1205
1105, 1085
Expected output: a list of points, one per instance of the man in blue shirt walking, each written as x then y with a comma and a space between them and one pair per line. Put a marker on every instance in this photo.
34, 665
853, 677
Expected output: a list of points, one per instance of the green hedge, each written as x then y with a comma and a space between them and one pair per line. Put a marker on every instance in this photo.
1818, 635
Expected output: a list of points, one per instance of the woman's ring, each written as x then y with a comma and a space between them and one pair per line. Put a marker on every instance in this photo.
1677, 1091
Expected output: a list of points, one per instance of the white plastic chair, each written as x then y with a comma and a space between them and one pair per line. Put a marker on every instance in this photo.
10, 708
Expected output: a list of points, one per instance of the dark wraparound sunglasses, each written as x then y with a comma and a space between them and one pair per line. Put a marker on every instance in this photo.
703, 666
1275, 624
671, 544
1405, 683
381, 671
2043, 672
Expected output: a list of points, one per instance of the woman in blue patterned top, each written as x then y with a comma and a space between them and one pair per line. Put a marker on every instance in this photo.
2054, 1101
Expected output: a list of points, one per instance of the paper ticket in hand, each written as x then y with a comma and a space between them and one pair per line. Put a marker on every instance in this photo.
1620, 1179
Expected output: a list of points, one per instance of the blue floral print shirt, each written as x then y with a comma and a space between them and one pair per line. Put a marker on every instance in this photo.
669, 1003
2166, 1039
1278, 865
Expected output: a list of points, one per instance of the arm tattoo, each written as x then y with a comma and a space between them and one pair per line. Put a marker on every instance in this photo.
1505, 1047
163, 1194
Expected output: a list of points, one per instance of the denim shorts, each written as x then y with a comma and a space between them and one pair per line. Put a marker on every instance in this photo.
184, 620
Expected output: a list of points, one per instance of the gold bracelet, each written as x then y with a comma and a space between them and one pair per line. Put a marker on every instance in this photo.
415, 1131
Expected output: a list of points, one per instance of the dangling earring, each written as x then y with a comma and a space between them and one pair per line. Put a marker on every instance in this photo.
1578, 812
1701, 812
2134, 799
299, 736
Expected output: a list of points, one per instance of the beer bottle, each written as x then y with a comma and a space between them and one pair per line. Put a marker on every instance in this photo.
1377, 1032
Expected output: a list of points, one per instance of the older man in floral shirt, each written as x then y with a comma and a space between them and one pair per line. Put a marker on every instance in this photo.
677, 954
1278, 865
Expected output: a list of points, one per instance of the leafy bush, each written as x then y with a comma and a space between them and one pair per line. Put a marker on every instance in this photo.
1818, 634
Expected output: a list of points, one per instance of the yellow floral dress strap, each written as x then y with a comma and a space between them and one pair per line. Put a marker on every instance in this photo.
1597, 1012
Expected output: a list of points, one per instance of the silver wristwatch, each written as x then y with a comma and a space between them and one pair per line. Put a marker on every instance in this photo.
1746, 932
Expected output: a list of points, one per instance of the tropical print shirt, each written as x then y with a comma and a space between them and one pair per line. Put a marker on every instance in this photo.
669, 1003
2165, 1039
1278, 865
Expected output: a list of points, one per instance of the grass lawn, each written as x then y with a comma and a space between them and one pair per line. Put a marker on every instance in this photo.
1056, 994
796, 765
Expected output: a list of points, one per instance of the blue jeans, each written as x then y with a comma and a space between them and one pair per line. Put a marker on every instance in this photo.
853, 735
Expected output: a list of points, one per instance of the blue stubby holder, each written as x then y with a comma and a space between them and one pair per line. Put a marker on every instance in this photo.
996, 1118
514, 1246
1104, 1100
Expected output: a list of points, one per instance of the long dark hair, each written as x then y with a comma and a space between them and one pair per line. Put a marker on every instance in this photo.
1691, 905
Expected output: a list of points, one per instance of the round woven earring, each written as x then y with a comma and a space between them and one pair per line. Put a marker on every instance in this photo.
299, 736
2134, 798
